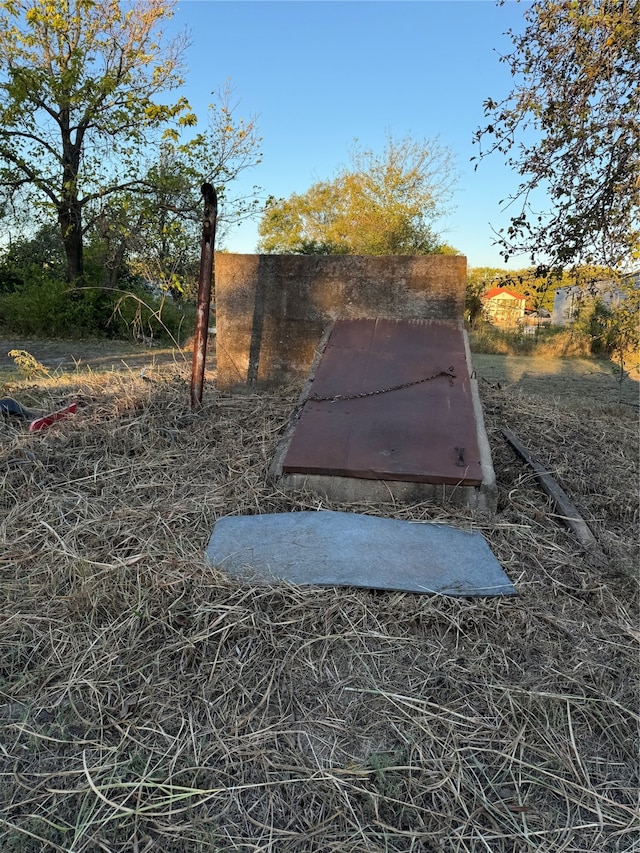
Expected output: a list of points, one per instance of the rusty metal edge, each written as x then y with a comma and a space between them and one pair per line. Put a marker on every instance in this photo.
205, 285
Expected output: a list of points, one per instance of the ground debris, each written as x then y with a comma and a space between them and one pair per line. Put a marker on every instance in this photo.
569, 514
150, 700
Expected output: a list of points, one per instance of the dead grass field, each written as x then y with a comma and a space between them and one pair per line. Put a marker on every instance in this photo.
148, 702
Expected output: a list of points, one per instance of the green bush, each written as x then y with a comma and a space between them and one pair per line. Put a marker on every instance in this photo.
595, 319
41, 305
141, 315
44, 306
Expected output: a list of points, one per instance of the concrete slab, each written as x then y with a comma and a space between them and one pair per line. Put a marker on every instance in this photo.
346, 549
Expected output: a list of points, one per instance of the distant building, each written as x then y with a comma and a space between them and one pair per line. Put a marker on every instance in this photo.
533, 320
503, 307
567, 300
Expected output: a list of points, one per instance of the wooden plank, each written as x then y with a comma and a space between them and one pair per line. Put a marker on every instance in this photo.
390, 400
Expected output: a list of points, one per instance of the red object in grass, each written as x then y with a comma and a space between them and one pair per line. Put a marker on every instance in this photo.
47, 420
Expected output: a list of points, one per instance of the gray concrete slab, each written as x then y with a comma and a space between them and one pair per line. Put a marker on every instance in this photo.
347, 549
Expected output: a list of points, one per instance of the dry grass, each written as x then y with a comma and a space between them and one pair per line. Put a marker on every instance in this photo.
148, 702
547, 342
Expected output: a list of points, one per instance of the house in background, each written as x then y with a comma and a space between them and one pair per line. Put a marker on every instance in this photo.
503, 307
567, 300
534, 320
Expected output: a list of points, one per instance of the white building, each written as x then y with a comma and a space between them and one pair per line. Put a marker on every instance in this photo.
567, 300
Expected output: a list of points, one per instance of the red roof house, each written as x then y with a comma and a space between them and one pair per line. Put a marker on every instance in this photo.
503, 306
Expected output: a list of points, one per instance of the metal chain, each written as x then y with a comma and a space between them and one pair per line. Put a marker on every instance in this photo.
315, 399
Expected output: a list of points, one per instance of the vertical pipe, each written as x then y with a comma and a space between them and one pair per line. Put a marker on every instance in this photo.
205, 281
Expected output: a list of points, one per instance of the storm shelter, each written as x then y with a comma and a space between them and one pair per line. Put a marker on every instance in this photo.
390, 410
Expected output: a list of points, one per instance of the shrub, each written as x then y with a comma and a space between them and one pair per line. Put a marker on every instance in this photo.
42, 306
143, 316
45, 306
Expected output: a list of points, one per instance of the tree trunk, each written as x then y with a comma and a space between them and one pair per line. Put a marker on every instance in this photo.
69, 208
114, 264
70, 220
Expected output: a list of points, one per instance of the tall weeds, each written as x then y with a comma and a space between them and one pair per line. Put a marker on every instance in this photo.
549, 342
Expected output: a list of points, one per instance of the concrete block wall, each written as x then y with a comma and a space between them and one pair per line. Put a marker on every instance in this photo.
272, 310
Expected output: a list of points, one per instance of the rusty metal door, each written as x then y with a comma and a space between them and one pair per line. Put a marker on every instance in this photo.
390, 400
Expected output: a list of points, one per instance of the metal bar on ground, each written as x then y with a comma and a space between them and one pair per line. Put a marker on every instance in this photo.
570, 515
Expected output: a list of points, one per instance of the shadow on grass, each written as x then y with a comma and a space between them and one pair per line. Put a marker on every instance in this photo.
590, 379
99, 356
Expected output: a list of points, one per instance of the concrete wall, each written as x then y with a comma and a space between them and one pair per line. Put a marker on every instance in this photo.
272, 310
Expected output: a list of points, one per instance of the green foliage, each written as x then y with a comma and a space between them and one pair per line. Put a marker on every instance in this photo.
379, 205
613, 329
38, 301
43, 250
82, 94
156, 231
590, 319
42, 305
570, 129
46, 306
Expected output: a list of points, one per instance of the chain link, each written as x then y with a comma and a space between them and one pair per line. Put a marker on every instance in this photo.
315, 399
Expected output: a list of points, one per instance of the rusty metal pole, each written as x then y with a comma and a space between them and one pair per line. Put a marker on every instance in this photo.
205, 282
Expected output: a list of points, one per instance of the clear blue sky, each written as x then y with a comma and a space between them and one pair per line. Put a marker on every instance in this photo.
320, 74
